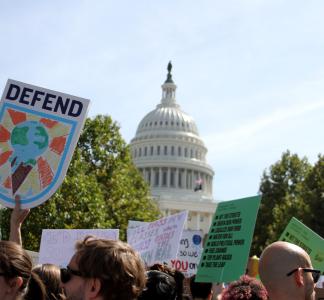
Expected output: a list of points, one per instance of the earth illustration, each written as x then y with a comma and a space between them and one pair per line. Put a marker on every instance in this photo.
29, 140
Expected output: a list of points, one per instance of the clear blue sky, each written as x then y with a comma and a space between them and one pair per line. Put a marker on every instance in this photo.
250, 72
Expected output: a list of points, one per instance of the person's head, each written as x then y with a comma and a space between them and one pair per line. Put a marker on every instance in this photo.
177, 276
287, 273
202, 290
16, 277
159, 286
50, 276
103, 269
246, 288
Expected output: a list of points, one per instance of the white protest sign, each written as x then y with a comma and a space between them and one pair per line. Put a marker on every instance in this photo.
134, 224
58, 245
189, 253
158, 241
39, 129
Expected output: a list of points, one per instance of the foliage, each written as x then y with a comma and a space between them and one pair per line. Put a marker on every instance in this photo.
281, 189
102, 189
313, 194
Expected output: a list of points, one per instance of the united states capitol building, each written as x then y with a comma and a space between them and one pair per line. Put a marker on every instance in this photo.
171, 156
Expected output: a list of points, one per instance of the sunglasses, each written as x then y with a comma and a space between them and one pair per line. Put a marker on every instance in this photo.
66, 274
316, 274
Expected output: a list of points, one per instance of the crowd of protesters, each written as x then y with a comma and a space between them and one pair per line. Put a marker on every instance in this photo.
105, 269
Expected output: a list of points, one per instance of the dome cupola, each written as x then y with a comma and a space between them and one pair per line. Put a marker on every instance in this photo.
168, 114
169, 152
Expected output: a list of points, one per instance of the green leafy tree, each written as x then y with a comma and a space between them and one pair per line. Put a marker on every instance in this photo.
313, 194
102, 189
281, 190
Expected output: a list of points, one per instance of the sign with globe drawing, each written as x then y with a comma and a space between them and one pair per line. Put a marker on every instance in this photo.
39, 129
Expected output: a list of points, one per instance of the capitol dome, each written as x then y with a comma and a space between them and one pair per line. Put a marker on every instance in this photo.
167, 117
169, 152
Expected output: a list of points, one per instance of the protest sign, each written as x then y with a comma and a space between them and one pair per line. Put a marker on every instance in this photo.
226, 251
39, 129
299, 234
158, 241
189, 253
58, 245
133, 224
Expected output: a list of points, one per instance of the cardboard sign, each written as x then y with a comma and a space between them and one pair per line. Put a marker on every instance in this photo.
58, 245
226, 251
299, 234
39, 130
158, 241
189, 253
134, 224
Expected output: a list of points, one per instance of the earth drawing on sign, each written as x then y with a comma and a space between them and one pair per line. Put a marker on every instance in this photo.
32, 149
29, 140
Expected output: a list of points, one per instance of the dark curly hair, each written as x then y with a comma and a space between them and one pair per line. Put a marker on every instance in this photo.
245, 288
177, 276
200, 289
159, 286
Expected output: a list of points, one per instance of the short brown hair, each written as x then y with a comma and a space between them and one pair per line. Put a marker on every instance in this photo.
15, 262
118, 267
50, 276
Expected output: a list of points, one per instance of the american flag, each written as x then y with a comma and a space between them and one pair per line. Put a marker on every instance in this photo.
198, 186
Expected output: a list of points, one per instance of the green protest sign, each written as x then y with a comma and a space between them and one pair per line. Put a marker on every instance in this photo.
299, 234
229, 239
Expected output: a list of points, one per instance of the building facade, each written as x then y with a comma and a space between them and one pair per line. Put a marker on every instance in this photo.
171, 156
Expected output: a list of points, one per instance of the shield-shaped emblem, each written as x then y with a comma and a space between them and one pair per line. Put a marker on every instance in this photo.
39, 129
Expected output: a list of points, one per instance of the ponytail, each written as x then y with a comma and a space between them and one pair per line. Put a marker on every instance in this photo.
35, 289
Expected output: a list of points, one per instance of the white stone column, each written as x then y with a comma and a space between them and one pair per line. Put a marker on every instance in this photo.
204, 182
168, 177
198, 221
160, 177
186, 223
210, 184
185, 178
176, 178
210, 219
207, 183
199, 177
191, 180
152, 177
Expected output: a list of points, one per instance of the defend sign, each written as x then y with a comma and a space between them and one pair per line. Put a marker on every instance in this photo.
39, 129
